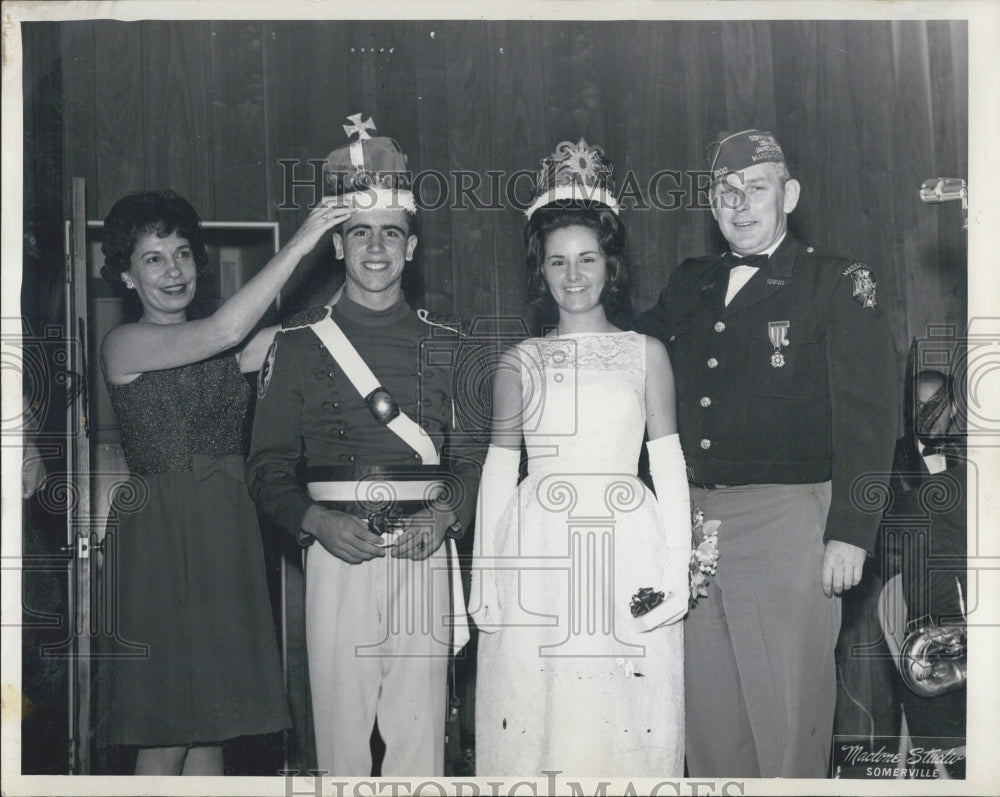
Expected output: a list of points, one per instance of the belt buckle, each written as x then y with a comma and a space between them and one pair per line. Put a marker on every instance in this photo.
382, 521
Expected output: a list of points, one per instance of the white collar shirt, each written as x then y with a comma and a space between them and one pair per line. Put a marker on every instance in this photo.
740, 275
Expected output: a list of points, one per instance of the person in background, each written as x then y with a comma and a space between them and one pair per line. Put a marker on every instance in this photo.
924, 541
198, 659
785, 400
929, 444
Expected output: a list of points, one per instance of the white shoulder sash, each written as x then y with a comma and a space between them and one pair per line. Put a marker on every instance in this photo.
364, 381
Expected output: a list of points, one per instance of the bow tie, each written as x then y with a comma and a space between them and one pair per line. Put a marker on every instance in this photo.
732, 260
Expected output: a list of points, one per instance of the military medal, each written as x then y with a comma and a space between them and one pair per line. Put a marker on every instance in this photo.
776, 331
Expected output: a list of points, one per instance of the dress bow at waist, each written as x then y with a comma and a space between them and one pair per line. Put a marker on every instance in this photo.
203, 466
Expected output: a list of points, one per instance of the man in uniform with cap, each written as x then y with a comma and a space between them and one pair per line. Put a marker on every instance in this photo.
355, 404
786, 409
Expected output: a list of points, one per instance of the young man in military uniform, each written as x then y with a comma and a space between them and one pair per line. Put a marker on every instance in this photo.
359, 398
785, 404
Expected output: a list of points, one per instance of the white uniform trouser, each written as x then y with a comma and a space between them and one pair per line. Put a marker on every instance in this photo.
378, 647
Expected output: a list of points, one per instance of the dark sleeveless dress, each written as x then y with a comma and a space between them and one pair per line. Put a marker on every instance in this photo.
196, 657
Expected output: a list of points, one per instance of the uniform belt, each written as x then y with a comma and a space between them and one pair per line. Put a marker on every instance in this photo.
351, 488
375, 491
382, 503
702, 486
344, 473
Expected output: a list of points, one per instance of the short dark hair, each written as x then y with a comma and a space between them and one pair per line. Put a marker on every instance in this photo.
412, 224
617, 294
138, 214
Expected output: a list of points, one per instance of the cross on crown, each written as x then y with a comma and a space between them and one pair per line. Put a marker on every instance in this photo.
359, 127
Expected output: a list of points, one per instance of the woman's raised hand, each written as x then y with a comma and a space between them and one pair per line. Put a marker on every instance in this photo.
324, 217
132, 349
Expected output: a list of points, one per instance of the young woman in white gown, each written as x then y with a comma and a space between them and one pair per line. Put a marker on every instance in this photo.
570, 679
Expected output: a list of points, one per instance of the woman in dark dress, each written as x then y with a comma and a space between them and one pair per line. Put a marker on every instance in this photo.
196, 660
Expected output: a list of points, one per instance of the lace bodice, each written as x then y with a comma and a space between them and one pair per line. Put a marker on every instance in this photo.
166, 416
584, 402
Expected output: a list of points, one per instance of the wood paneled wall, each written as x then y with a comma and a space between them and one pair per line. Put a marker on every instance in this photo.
865, 111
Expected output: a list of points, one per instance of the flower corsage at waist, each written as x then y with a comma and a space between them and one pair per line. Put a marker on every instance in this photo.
704, 553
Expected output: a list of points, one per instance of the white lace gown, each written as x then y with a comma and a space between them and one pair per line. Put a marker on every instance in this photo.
572, 682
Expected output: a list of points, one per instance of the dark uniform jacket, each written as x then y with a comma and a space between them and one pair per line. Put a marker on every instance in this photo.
924, 538
310, 416
814, 403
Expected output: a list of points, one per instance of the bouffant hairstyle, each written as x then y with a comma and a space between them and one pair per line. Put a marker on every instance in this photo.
617, 294
136, 215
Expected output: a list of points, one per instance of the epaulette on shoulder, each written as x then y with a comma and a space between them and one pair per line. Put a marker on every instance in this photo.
448, 321
306, 317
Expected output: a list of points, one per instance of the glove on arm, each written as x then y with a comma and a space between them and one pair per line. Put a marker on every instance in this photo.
666, 466
498, 483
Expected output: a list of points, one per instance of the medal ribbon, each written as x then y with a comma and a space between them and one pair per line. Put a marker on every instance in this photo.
776, 332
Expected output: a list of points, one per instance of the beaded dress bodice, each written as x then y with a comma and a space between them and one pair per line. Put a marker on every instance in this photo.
167, 416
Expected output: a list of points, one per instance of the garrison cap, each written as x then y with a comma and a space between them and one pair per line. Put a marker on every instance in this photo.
734, 152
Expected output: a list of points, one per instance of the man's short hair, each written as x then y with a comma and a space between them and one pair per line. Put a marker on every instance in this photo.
781, 170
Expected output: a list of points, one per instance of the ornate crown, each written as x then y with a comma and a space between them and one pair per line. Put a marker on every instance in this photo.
370, 171
575, 172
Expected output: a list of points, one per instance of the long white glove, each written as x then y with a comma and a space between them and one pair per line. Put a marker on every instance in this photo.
666, 466
498, 482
